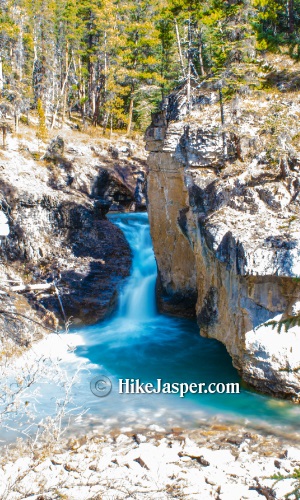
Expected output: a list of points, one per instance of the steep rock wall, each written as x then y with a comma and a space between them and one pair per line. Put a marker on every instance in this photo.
58, 233
226, 231
64, 238
169, 200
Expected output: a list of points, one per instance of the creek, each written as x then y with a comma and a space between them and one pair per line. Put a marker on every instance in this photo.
138, 342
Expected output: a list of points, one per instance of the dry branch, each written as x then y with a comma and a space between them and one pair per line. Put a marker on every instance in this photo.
30, 288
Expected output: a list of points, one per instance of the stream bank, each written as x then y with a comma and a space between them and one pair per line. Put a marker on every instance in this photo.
213, 462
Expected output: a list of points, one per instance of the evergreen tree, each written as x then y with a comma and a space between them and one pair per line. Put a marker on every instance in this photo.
278, 24
137, 60
112, 61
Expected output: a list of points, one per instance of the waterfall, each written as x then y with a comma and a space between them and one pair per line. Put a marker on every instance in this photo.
137, 342
137, 300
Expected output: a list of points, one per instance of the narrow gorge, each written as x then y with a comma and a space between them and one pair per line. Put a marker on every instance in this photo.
225, 230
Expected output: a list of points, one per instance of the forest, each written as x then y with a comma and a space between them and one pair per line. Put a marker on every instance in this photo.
111, 62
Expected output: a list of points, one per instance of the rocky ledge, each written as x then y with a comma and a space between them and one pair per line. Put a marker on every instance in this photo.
213, 462
54, 230
224, 214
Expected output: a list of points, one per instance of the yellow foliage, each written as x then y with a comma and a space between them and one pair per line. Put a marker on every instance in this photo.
42, 132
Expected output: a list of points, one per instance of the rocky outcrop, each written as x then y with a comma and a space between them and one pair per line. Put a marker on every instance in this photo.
54, 237
55, 149
53, 229
121, 181
224, 216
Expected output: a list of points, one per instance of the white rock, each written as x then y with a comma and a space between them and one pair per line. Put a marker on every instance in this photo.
77, 493
3, 218
237, 492
128, 457
3, 482
192, 493
44, 465
105, 458
172, 470
156, 428
141, 438
169, 455
220, 458
4, 229
122, 438
293, 453
18, 467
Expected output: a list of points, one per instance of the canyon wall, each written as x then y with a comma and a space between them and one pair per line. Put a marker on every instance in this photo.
53, 229
225, 229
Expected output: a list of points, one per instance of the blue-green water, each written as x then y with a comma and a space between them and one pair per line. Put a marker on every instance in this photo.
138, 343
141, 344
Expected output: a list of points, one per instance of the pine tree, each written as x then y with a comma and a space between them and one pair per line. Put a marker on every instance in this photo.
278, 24
113, 61
138, 62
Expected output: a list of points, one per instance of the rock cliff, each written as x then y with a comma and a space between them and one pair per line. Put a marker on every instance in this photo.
53, 229
224, 216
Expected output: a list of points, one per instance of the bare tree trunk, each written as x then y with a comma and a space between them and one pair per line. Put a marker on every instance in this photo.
188, 83
64, 96
105, 66
81, 92
4, 132
202, 72
188, 88
61, 97
34, 48
64, 107
221, 106
97, 108
1, 74
21, 52
179, 49
29, 288
290, 13
130, 116
12, 59
225, 151
83, 107
111, 126
91, 86
16, 122
93, 101
104, 123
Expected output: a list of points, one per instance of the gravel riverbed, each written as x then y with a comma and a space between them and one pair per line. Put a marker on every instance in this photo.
213, 461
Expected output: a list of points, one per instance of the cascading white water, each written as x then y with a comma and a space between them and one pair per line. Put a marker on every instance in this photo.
137, 300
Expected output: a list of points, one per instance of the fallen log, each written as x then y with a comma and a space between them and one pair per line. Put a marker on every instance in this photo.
31, 288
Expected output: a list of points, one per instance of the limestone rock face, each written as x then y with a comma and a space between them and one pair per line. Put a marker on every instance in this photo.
176, 261
225, 230
63, 238
53, 228
121, 179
